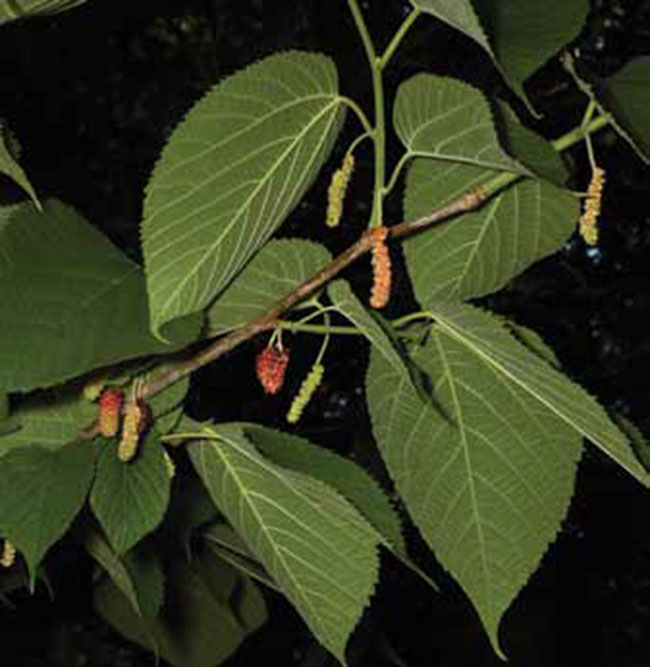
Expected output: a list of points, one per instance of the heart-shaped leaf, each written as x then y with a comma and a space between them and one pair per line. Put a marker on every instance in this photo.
130, 499
231, 173
42, 491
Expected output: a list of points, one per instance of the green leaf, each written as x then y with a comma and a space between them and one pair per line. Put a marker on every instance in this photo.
144, 567
481, 251
316, 546
49, 420
190, 507
348, 305
9, 164
170, 398
11, 10
278, 268
42, 491
532, 340
445, 119
525, 34
229, 546
488, 338
130, 499
639, 442
522, 34
4, 406
487, 479
71, 301
231, 173
626, 95
196, 627
166, 406
528, 147
138, 574
349, 479
459, 14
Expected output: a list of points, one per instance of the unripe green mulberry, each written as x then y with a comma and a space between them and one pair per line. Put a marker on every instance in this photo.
307, 389
8, 557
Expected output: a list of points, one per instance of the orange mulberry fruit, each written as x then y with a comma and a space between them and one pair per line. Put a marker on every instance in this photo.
381, 267
110, 406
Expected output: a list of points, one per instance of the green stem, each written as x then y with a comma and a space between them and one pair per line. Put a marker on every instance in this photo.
358, 111
578, 133
318, 328
377, 219
360, 139
320, 309
363, 31
401, 321
379, 133
399, 36
326, 340
396, 172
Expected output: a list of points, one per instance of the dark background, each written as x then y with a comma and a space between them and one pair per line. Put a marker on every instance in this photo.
93, 94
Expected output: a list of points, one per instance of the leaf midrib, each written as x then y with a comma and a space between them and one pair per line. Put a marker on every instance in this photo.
261, 524
468, 465
449, 328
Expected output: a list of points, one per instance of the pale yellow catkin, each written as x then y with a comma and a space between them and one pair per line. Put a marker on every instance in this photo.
8, 554
588, 224
337, 189
130, 432
306, 391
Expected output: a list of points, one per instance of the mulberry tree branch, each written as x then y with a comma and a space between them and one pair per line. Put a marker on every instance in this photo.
171, 372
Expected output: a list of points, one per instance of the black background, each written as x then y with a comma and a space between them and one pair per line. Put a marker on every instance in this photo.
92, 96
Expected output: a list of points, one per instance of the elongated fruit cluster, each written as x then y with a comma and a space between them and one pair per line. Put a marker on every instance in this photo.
135, 421
337, 189
271, 366
306, 391
381, 268
110, 407
588, 224
8, 557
